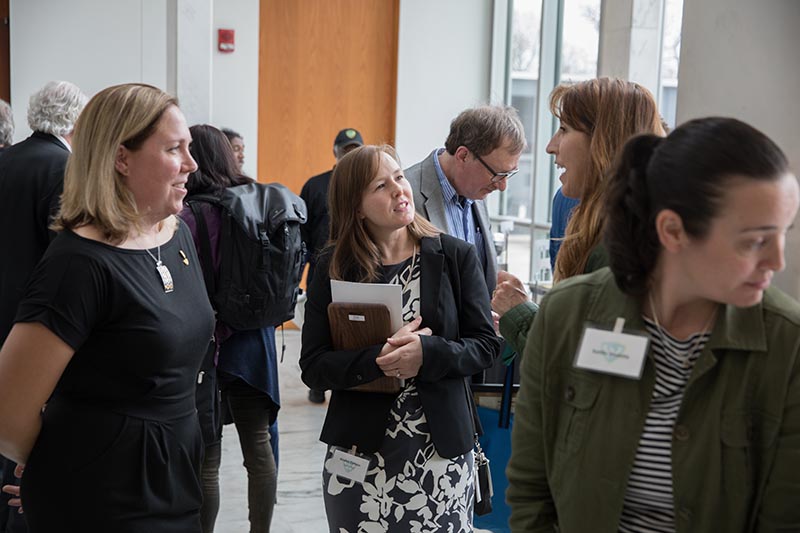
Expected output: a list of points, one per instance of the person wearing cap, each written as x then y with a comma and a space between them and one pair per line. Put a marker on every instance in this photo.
481, 153
315, 230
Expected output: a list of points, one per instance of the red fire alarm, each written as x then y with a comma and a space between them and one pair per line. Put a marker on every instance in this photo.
226, 41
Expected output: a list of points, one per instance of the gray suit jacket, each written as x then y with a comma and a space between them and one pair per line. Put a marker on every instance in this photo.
429, 203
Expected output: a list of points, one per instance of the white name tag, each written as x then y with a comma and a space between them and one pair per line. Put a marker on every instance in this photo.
612, 352
356, 318
348, 466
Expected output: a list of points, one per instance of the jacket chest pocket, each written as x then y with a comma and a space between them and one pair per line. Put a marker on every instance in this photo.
574, 400
746, 440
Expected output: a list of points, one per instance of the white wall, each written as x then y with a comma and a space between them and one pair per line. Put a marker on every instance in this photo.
92, 43
193, 43
443, 64
235, 75
170, 44
740, 58
443, 68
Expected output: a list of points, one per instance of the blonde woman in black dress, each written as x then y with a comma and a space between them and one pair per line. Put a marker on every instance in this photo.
111, 333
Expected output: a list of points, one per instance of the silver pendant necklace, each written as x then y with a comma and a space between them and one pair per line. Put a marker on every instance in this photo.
163, 271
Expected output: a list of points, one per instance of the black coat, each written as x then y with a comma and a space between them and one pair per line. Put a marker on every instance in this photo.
315, 230
455, 305
31, 181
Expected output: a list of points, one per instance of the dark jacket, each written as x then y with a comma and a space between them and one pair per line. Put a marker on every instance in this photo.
735, 458
315, 230
31, 181
455, 305
249, 355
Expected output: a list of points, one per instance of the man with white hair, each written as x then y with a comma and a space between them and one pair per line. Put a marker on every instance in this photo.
31, 181
6, 125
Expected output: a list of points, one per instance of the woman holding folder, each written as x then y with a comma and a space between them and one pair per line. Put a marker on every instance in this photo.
397, 461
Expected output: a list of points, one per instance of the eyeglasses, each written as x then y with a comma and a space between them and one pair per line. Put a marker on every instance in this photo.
497, 177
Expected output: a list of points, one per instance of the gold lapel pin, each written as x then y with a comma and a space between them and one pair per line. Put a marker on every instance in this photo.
185, 259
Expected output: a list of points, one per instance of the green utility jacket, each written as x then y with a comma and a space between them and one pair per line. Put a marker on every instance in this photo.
515, 324
736, 442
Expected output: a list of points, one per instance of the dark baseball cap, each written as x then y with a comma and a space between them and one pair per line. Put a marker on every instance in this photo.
346, 137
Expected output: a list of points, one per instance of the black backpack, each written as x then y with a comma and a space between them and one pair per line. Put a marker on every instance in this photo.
261, 254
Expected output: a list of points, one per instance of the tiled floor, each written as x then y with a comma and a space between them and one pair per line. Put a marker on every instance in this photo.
299, 507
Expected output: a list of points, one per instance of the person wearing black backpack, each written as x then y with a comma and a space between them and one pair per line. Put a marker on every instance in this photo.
245, 365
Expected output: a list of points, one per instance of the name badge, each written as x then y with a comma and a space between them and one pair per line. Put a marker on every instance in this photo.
347, 465
612, 352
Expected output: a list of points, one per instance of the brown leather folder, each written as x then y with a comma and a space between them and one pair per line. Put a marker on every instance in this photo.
354, 326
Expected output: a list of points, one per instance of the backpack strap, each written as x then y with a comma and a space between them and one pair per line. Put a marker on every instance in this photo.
205, 247
263, 238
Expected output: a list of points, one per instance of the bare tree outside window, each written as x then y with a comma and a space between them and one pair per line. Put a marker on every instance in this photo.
591, 12
670, 59
671, 52
580, 39
579, 48
525, 37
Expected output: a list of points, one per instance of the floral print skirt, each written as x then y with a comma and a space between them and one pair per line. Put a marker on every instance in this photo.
409, 488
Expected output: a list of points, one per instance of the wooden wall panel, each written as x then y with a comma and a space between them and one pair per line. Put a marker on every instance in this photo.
324, 65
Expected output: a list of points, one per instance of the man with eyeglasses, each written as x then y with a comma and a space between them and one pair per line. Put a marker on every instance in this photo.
481, 153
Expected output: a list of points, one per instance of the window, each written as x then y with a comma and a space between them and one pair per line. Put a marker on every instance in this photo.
670, 57
549, 41
525, 43
581, 39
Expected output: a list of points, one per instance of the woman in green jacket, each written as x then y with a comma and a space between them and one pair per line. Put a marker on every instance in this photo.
597, 116
703, 434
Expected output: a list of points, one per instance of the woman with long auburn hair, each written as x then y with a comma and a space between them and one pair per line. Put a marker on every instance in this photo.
606, 112
416, 444
596, 117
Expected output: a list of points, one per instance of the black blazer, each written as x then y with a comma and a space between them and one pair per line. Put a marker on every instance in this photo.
455, 305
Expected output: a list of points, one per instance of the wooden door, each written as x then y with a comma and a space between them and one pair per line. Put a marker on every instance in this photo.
324, 66
5, 53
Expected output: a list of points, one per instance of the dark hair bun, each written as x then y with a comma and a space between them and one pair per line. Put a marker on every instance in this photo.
629, 232
688, 173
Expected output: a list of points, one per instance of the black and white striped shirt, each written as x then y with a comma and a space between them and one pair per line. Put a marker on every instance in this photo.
649, 504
